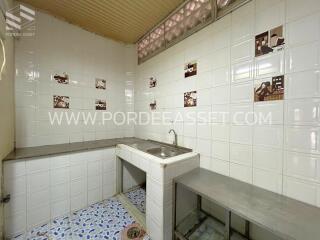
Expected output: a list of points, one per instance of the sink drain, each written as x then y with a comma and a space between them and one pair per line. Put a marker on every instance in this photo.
133, 231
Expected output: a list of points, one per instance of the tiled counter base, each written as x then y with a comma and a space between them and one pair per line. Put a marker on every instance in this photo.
160, 173
45, 188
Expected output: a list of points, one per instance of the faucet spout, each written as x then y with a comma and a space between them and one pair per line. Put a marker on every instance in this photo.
175, 141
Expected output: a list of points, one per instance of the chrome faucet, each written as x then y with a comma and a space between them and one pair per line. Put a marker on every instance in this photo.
175, 142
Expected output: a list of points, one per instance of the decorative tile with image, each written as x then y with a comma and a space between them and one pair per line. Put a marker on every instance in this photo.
61, 102
101, 84
152, 82
269, 41
269, 89
190, 99
101, 104
61, 78
190, 69
262, 44
276, 37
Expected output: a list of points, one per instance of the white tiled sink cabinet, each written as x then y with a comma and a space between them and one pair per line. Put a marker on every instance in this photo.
159, 175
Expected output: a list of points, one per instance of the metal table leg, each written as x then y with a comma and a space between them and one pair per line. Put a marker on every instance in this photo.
247, 230
227, 234
199, 206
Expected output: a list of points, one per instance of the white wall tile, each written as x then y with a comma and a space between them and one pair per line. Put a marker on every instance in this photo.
303, 30
60, 208
220, 150
241, 172
78, 202
189, 129
303, 166
302, 85
242, 72
242, 113
241, 134
270, 112
220, 166
220, 113
221, 77
302, 139
15, 206
38, 215
38, 181
59, 162
300, 190
242, 51
60, 191
38, 198
204, 147
220, 131
297, 9
204, 80
16, 224
270, 65
271, 15
241, 154
303, 112
242, 23
220, 95
16, 186
267, 180
242, 92
37, 165
204, 97
268, 136
268, 158
221, 59
205, 162
59, 176
204, 130
14, 169
302, 58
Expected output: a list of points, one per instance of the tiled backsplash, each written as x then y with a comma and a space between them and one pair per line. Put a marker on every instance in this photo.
57, 48
283, 156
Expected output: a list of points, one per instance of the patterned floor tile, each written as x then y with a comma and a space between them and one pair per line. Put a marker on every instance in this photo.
104, 220
138, 198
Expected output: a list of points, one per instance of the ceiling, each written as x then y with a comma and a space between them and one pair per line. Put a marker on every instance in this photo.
121, 20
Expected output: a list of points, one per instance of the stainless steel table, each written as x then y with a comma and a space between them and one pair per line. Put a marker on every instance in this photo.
282, 216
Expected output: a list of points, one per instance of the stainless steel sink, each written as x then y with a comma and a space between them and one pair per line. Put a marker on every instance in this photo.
161, 150
165, 152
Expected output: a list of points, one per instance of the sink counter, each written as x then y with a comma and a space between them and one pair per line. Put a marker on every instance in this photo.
162, 161
160, 173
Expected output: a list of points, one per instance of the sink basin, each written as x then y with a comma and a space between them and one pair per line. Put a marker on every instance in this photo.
164, 152
160, 150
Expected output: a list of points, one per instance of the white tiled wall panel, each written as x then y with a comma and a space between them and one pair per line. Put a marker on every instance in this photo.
279, 153
90, 57
303, 84
45, 188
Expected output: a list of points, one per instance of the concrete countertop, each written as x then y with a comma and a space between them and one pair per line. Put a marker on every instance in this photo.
32, 152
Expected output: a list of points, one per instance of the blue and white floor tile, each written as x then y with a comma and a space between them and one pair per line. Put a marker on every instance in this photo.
138, 198
104, 220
